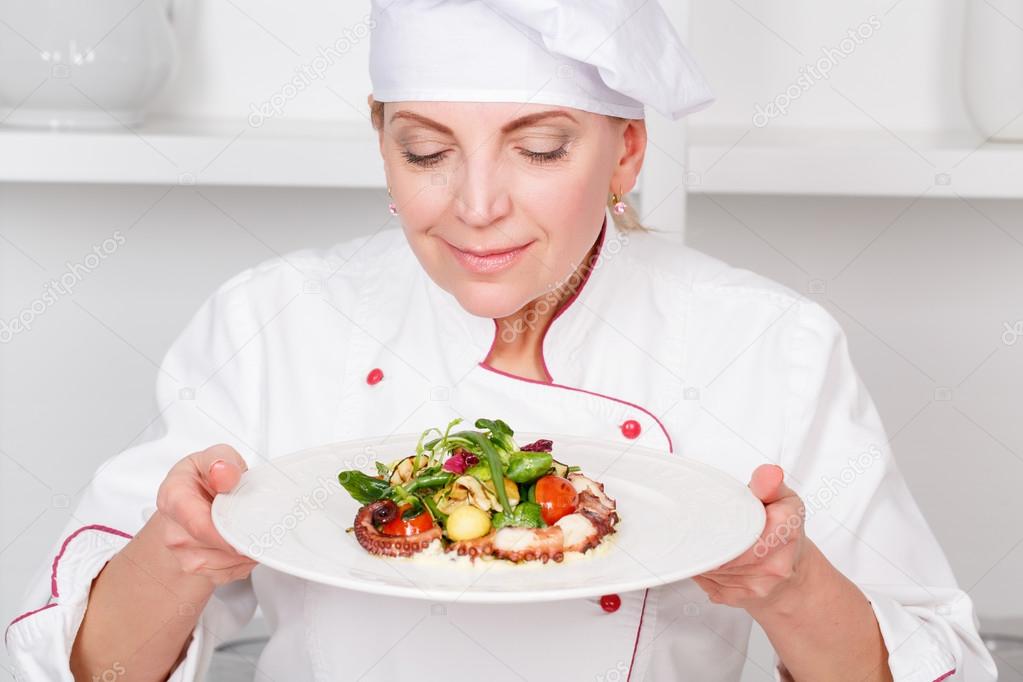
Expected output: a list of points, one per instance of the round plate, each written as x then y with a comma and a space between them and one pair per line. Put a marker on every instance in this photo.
679, 518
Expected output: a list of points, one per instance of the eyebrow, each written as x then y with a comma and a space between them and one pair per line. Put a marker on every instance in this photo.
511, 126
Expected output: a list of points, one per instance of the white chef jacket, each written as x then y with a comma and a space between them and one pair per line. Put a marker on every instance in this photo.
715, 363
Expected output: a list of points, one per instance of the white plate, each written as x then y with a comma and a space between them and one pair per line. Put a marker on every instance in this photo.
679, 518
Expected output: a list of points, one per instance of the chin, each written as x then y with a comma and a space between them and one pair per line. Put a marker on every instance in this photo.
489, 300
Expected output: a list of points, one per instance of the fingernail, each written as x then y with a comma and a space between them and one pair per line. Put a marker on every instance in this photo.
215, 463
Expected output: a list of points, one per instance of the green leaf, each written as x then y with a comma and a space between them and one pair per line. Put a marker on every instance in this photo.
524, 467
363, 487
526, 515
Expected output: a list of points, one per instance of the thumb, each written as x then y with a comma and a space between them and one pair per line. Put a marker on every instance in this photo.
220, 467
768, 483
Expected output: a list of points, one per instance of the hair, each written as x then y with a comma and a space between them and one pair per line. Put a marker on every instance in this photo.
625, 222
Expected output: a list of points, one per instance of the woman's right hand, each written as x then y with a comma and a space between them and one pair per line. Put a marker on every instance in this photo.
162, 579
184, 504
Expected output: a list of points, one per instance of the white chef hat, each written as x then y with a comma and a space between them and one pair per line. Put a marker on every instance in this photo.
605, 56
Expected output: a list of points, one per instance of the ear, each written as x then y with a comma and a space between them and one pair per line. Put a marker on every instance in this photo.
631, 144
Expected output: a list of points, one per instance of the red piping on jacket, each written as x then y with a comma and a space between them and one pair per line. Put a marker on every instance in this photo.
569, 301
29, 613
56, 561
67, 541
950, 672
583, 390
635, 647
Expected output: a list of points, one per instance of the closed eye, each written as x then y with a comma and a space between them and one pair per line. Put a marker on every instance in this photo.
539, 158
545, 157
428, 161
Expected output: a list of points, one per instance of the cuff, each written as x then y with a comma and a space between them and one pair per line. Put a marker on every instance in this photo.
914, 653
40, 640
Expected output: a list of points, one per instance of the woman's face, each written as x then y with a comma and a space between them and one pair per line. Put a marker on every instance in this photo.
499, 201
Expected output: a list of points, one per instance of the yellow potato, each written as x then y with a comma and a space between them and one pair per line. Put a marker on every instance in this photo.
467, 523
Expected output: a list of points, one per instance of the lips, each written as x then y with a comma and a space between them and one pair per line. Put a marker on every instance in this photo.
490, 252
487, 261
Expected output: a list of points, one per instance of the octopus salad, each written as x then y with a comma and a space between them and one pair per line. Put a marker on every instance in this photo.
479, 495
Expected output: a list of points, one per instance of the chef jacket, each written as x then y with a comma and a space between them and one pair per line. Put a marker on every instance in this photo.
662, 346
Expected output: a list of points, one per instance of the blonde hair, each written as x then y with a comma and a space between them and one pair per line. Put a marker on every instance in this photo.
625, 222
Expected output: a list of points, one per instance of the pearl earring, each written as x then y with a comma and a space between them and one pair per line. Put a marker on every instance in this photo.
393, 208
619, 205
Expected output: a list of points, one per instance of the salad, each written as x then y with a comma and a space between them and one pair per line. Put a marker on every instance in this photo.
479, 494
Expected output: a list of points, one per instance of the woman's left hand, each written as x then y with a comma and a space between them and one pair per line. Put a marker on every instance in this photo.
774, 565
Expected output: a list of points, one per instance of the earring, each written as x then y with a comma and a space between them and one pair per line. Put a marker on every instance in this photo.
393, 208
619, 205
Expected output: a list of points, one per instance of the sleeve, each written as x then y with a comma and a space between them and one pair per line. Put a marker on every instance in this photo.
862, 515
207, 391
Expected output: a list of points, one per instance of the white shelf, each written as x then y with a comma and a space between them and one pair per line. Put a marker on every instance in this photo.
210, 152
771, 160
851, 162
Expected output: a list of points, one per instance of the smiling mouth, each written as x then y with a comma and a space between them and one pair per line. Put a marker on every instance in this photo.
490, 260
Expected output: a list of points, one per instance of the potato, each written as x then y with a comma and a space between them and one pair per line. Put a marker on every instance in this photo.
467, 523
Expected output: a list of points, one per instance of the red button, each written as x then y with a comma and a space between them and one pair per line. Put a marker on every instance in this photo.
374, 376
630, 428
610, 602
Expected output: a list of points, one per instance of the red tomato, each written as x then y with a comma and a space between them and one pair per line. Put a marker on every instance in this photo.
556, 497
419, 523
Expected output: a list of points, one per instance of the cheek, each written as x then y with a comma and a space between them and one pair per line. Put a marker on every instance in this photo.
570, 213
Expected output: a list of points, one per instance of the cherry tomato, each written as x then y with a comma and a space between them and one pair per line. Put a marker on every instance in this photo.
556, 497
419, 523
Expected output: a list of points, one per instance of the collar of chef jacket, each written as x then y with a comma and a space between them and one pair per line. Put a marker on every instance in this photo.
613, 351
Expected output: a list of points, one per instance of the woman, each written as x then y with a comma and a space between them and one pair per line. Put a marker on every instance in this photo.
508, 293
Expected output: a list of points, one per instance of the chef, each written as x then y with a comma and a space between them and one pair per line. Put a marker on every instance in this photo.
519, 285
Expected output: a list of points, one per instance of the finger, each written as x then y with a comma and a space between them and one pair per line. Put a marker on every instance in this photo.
223, 476
220, 467
711, 588
768, 483
184, 502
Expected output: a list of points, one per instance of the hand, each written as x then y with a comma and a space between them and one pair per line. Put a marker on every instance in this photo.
776, 563
184, 503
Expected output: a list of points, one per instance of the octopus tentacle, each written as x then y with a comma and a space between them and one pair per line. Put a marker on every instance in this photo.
477, 547
603, 517
594, 517
376, 542
527, 544
585, 484
580, 532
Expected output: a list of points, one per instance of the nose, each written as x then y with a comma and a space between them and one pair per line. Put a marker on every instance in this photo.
481, 191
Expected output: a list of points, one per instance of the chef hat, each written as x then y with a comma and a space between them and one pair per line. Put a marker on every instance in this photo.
605, 56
